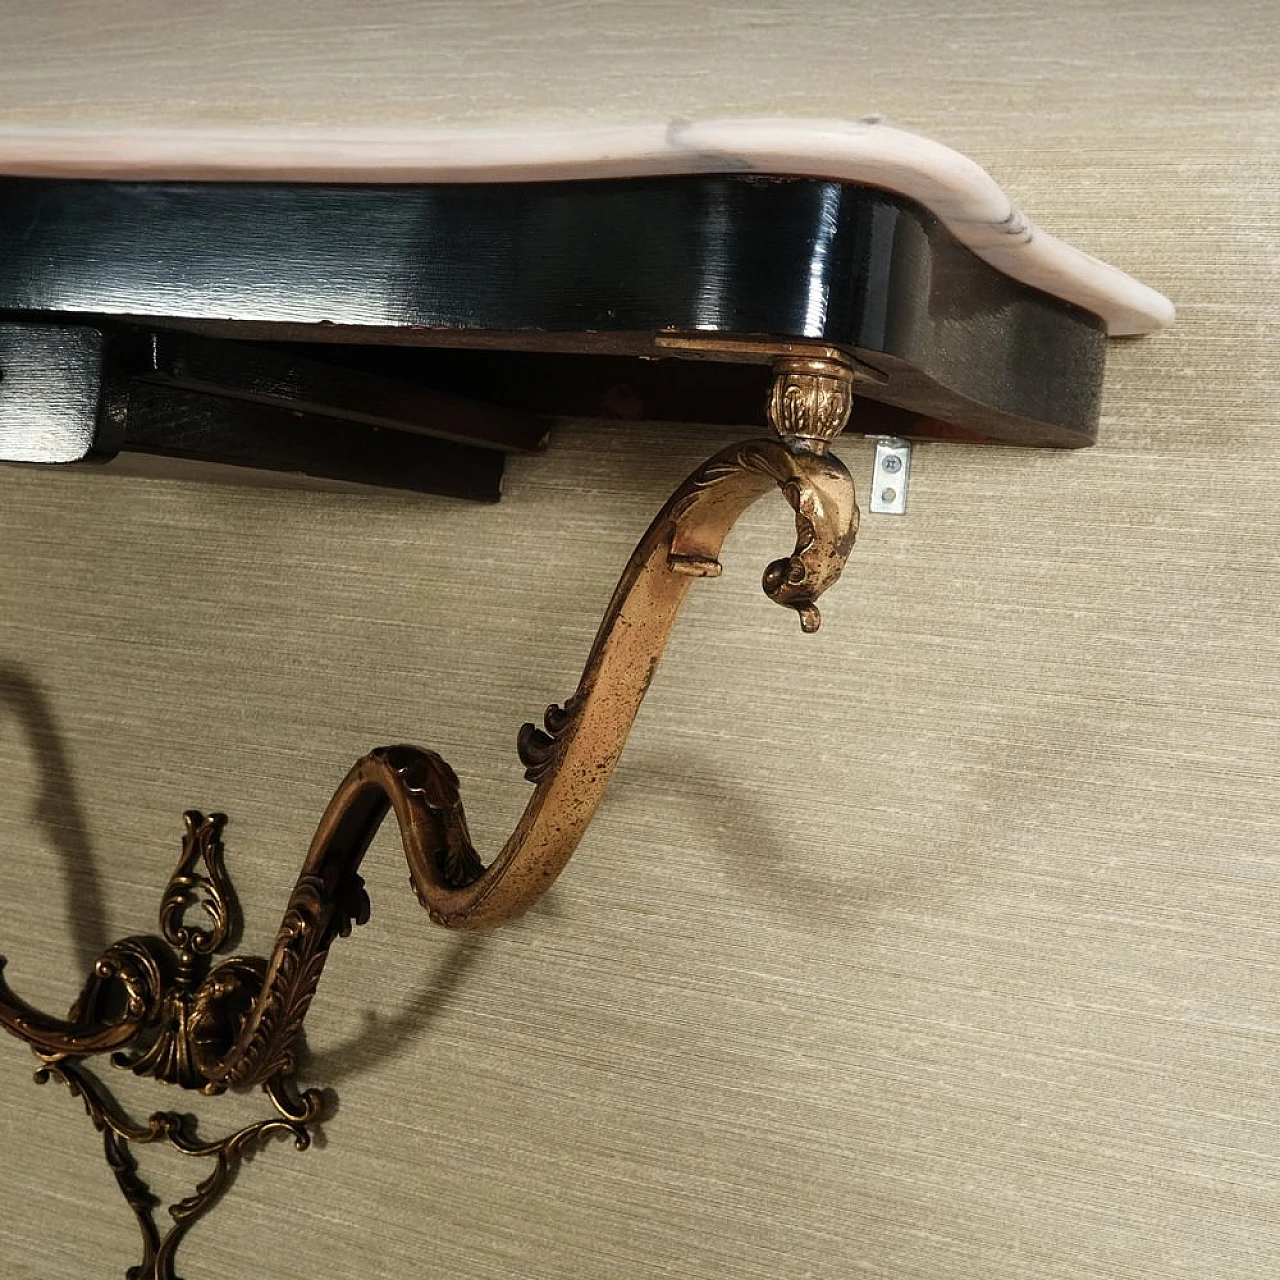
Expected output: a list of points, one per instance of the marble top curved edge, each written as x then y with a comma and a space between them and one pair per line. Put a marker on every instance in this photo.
869, 152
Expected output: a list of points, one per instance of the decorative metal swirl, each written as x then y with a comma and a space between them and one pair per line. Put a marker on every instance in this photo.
200, 844
119, 1134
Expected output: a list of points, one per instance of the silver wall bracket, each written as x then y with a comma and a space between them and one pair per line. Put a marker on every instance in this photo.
891, 475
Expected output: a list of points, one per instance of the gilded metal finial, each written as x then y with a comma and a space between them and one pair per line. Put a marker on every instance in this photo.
810, 400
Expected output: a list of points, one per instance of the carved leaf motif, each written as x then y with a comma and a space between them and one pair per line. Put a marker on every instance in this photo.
168, 1057
294, 977
428, 777
539, 749
810, 401
425, 774
461, 864
316, 915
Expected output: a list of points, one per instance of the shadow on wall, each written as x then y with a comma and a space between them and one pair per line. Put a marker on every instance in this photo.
56, 810
712, 809
382, 1039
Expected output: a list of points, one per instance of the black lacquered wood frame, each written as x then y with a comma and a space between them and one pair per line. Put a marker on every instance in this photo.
599, 269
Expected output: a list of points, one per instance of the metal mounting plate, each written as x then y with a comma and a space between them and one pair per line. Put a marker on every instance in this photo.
890, 476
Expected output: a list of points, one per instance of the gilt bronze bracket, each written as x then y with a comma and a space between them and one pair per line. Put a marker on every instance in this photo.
168, 1008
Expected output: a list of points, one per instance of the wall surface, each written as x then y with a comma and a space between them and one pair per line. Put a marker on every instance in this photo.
942, 944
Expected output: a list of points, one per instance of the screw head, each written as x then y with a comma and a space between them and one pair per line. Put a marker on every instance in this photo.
888, 495
892, 463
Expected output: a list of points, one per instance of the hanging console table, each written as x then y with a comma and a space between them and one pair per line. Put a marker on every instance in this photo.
404, 312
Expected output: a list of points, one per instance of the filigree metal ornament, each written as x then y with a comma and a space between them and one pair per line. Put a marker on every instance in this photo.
119, 1134
162, 989
162, 1008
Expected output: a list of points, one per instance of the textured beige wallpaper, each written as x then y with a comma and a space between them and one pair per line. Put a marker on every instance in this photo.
942, 944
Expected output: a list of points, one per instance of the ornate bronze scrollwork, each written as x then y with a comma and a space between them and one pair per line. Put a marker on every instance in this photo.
157, 995
162, 1007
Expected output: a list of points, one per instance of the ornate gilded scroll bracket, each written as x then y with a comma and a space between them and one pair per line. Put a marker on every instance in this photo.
154, 989
161, 1007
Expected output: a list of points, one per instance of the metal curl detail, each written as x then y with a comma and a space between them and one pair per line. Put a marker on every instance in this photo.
119, 1134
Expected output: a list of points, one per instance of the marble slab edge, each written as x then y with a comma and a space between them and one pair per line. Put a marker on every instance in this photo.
869, 152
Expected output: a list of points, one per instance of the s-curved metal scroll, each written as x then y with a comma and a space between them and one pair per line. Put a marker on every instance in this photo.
570, 760
163, 1008
241, 1021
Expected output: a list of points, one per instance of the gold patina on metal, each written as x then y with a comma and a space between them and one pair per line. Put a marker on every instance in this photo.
166, 1008
810, 400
